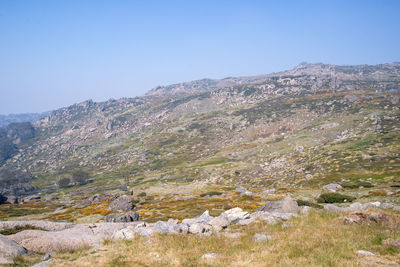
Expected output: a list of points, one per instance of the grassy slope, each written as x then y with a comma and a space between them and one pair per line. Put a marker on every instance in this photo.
320, 239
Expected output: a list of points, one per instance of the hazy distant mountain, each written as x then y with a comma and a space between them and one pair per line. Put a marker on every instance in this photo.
23, 117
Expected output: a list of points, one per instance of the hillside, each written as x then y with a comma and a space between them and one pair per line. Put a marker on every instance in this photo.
310, 125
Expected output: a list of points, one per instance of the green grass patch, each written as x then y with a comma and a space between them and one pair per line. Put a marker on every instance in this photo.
334, 198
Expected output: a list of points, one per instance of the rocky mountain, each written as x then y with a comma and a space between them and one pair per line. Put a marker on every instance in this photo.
299, 127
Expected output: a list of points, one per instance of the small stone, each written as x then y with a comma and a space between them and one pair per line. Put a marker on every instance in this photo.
46, 257
209, 256
262, 238
364, 253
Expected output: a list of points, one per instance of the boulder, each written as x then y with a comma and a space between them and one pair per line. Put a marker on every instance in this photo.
122, 217
332, 187
262, 238
122, 203
204, 218
199, 228
9, 249
81, 235
11, 200
271, 217
220, 222
284, 205
130, 231
236, 214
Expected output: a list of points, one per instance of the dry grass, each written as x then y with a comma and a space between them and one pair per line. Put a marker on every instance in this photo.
320, 239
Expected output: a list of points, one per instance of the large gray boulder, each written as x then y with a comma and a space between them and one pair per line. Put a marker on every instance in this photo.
284, 205
220, 222
9, 249
81, 235
236, 214
122, 217
11, 200
203, 218
122, 203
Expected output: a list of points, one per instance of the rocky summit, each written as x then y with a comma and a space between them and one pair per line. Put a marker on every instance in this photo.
231, 171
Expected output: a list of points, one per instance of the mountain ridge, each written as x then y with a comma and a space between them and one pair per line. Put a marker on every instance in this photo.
209, 130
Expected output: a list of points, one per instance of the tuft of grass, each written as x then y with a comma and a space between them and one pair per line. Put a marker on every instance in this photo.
212, 193
334, 198
308, 203
17, 229
357, 184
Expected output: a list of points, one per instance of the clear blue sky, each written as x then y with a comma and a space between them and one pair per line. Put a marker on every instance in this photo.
55, 53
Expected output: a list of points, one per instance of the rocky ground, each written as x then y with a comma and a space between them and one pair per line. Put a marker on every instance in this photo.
27, 241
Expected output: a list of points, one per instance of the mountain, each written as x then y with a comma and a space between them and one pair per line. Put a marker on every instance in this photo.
302, 127
23, 117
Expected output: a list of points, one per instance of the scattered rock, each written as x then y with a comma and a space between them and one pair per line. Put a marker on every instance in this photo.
367, 218
364, 253
122, 203
220, 222
269, 191
240, 190
43, 263
204, 218
50, 198
122, 217
236, 214
45, 257
30, 198
333, 187
284, 205
262, 238
209, 256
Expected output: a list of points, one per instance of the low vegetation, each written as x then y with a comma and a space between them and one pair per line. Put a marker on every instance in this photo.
334, 198
320, 239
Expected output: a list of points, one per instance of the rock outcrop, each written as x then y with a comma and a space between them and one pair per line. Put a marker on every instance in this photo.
122, 203
9, 249
284, 205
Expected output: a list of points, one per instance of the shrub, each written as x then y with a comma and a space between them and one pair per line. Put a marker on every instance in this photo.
308, 203
212, 193
63, 182
357, 184
79, 177
334, 198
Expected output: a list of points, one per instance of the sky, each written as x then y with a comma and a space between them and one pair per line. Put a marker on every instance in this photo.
57, 53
